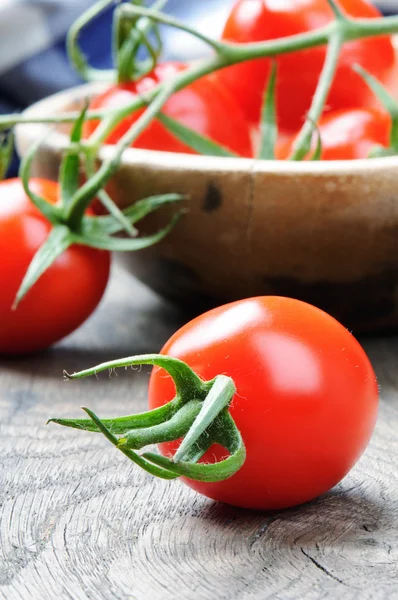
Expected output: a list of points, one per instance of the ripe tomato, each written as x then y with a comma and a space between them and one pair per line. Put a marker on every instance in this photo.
298, 72
306, 401
203, 106
64, 296
347, 134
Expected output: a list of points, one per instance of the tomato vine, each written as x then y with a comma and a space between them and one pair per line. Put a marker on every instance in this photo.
341, 30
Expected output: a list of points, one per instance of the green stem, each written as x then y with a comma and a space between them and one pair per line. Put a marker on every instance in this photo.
336, 10
237, 53
186, 381
181, 81
362, 28
76, 56
107, 201
155, 15
231, 54
8, 121
303, 142
129, 36
84, 196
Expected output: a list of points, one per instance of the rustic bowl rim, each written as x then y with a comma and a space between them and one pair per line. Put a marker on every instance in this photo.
58, 102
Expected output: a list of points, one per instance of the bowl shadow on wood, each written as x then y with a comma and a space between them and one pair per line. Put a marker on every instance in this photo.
325, 233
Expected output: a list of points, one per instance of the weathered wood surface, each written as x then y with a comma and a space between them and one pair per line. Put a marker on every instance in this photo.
78, 521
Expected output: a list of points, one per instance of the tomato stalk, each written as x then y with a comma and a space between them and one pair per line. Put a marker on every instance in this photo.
77, 57
198, 414
85, 194
302, 144
164, 91
130, 35
131, 32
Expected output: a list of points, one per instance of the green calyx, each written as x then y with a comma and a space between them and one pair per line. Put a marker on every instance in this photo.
71, 224
198, 414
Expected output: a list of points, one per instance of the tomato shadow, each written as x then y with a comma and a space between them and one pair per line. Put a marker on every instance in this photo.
340, 517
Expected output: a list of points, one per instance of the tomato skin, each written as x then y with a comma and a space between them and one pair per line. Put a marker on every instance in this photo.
65, 295
347, 134
306, 401
203, 106
298, 72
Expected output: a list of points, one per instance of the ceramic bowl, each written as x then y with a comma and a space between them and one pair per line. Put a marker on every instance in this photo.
323, 232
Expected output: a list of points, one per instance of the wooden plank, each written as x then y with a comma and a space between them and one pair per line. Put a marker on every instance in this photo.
78, 521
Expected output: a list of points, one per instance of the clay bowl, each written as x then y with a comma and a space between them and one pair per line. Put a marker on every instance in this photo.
326, 233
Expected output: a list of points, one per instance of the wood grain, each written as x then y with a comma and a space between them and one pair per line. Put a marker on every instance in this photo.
78, 521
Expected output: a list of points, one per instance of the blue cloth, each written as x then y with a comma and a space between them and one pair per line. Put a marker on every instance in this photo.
33, 61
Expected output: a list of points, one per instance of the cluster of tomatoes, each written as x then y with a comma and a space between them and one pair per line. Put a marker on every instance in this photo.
352, 124
224, 106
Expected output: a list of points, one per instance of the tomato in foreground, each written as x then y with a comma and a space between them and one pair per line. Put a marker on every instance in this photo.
347, 134
306, 401
298, 72
64, 296
203, 106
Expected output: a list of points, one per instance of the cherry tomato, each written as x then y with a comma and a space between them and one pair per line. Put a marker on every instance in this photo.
306, 400
298, 72
64, 296
347, 134
203, 106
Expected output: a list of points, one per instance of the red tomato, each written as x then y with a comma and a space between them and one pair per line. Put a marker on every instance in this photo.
203, 106
347, 134
306, 401
64, 296
298, 73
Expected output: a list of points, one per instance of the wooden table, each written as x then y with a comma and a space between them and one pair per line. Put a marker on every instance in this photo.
78, 521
